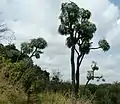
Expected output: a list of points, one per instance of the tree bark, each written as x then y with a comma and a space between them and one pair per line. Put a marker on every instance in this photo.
73, 70
79, 61
77, 75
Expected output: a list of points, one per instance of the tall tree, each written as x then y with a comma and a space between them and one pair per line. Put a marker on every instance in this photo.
79, 30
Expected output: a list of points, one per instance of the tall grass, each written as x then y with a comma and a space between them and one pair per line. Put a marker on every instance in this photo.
10, 94
13, 95
57, 98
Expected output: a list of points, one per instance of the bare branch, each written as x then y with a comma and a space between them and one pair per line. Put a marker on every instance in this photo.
33, 53
96, 48
81, 59
77, 51
98, 77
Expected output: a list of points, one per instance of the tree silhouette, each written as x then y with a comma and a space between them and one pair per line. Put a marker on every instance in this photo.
79, 30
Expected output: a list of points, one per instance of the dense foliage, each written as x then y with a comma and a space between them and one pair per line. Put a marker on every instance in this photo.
21, 70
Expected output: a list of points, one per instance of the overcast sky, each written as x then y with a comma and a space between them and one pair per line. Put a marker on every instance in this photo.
39, 18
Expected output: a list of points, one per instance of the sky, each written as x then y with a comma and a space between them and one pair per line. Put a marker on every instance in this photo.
116, 1
39, 18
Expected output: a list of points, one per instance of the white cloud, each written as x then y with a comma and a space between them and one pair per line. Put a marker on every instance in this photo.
33, 18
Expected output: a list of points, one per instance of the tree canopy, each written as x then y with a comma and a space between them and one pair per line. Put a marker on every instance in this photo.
34, 47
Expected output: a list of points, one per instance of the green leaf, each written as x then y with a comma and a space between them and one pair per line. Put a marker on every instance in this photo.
38, 43
104, 45
25, 48
69, 42
37, 55
63, 30
86, 14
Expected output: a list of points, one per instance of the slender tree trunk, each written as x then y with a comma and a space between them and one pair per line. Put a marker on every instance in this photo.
86, 86
73, 70
77, 76
79, 61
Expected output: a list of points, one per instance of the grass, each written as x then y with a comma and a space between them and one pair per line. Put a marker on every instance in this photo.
10, 94
57, 98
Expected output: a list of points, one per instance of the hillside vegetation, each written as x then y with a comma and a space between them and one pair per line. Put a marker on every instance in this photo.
18, 86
